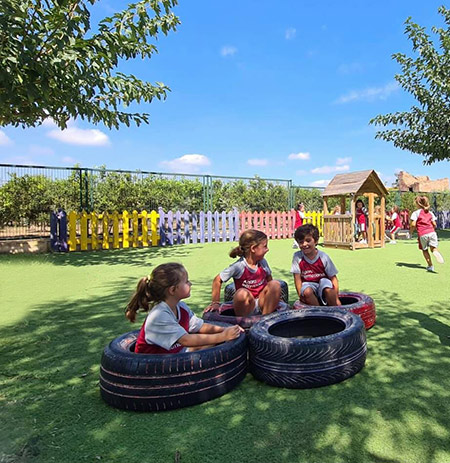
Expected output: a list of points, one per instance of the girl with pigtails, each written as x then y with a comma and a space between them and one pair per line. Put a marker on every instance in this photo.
171, 326
256, 291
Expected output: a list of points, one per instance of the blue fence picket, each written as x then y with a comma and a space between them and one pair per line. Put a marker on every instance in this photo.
194, 227
216, 227
202, 227
178, 222
224, 226
170, 227
209, 226
187, 234
162, 227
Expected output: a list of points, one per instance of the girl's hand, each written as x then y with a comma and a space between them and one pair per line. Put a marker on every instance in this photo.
232, 332
212, 306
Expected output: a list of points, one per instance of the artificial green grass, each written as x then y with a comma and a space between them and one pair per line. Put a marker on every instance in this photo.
60, 310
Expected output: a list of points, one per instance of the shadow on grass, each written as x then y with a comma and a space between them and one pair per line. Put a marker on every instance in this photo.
407, 264
396, 409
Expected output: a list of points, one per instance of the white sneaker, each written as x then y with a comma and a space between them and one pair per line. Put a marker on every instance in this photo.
430, 269
392, 242
438, 256
363, 241
294, 245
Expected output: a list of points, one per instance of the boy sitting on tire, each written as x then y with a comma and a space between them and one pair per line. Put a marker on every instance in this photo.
314, 272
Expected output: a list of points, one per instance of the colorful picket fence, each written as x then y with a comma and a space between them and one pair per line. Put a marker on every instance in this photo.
93, 231
277, 225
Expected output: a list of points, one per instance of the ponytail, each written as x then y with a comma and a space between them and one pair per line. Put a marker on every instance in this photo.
248, 239
140, 299
423, 203
152, 289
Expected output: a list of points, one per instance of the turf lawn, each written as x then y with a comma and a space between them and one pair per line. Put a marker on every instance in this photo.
58, 311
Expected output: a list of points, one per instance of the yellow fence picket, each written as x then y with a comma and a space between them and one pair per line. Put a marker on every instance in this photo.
144, 228
154, 216
105, 231
125, 229
83, 231
72, 242
135, 222
116, 236
94, 231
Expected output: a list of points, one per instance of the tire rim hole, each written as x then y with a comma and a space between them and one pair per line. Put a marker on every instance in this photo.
348, 300
307, 328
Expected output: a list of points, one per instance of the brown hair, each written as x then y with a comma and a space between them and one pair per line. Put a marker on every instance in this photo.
152, 289
396, 208
307, 229
248, 239
423, 203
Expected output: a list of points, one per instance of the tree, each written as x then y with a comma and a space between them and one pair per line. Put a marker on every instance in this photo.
52, 64
425, 129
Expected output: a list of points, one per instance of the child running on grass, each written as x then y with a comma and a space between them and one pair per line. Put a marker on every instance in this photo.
256, 291
314, 272
395, 223
424, 221
171, 326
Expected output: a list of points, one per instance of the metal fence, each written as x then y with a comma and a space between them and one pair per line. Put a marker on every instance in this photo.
28, 193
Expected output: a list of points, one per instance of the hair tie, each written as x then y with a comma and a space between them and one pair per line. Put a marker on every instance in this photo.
148, 279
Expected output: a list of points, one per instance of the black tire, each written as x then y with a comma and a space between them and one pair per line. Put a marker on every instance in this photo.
357, 303
230, 289
225, 314
157, 382
336, 352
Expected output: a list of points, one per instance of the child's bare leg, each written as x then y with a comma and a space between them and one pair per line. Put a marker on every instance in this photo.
331, 296
270, 297
243, 302
426, 254
309, 297
437, 254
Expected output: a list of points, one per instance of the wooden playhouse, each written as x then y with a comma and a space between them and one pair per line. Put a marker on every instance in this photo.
340, 230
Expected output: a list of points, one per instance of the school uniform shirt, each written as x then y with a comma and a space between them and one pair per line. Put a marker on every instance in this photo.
396, 220
254, 280
299, 216
312, 271
162, 329
423, 221
361, 215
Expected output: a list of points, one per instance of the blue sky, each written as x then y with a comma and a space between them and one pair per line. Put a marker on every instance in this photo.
276, 89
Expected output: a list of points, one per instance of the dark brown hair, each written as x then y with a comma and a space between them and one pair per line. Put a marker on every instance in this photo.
153, 288
423, 202
248, 239
307, 229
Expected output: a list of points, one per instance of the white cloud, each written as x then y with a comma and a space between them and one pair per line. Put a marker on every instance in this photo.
4, 139
77, 136
340, 161
320, 182
330, 169
187, 164
302, 156
369, 94
257, 162
228, 50
290, 33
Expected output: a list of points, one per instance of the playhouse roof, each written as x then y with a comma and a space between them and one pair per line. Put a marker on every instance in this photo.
365, 181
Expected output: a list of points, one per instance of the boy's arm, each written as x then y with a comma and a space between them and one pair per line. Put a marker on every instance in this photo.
335, 283
215, 295
205, 339
412, 226
298, 283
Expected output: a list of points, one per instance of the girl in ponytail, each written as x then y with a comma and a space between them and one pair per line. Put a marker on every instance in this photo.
171, 326
424, 221
256, 291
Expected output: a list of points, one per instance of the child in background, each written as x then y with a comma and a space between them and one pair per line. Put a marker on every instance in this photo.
171, 327
361, 219
424, 221
314, 272
396, 223
299, 217
337, 210
256, 291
